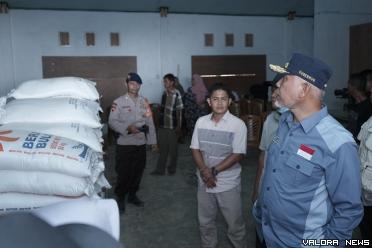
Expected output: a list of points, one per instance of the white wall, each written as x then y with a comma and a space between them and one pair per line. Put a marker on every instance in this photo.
183, 36
332, 20
6, 56
162, 45
36, 34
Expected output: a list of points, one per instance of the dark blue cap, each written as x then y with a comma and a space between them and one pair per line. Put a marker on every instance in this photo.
308, 68
277, 78
132, 76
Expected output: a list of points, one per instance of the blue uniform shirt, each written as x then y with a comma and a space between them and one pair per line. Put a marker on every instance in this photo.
311, 186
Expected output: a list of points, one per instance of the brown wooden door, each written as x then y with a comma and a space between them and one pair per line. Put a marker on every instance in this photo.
239, 71
360, 48
109, 72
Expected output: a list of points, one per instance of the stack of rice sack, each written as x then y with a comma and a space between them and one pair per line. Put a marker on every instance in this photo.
50, 143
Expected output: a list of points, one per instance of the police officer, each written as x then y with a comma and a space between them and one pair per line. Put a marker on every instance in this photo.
131, 118
311, 187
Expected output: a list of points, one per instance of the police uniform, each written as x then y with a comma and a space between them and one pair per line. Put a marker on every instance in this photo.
131, 147
311, 186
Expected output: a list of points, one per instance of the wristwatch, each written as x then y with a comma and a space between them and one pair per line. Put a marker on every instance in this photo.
215, 171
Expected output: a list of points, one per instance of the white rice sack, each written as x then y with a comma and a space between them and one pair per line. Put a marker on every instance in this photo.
46, 183
101, 213
32, 151
51, 110
21, 202
74, 87
91, 137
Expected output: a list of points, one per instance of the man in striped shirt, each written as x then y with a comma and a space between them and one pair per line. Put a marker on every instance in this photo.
218, 145
169, 126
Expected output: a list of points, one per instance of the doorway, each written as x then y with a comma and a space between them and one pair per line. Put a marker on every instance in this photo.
239, 72
360, 48
109, 72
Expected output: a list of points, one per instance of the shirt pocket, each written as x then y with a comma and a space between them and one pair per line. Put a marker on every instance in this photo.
301, 172
126, 114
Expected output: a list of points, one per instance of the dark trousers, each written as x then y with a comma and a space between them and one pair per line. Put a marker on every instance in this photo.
260, 244
130, 164
366, 223
167, 140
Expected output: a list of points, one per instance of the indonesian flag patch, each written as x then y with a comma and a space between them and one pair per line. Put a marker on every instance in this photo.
305, 152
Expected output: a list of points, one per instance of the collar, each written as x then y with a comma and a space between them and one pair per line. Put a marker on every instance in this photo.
126, 95
173, 91
225, 117
309, 122
277, 115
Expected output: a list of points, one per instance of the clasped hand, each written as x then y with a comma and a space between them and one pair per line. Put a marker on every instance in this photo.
208, 178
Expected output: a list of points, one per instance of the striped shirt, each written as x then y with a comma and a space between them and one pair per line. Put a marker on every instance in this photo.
216, 141
170, 104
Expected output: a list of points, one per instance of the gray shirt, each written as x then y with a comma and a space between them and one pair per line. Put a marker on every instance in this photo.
216, 141
365, 154
126, 111
269, 129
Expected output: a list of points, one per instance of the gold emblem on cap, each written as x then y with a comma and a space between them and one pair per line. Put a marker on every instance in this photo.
278, 68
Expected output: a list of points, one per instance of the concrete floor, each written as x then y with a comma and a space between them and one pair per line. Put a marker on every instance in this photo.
169, 218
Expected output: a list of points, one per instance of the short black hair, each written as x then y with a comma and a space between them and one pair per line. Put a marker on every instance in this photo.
170, 77
219, 86
358, 81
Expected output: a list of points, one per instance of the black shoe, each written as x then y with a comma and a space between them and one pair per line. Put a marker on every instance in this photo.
121, 205
157, 173
136, 201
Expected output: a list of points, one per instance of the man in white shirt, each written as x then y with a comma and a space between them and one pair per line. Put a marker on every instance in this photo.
365, 154
218, 145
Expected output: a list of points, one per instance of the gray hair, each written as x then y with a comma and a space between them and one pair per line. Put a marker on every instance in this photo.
317, 93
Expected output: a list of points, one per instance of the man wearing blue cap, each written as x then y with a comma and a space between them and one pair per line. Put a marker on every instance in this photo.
310, 192
131, 118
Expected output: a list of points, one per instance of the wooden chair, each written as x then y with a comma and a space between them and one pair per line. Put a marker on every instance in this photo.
244, 106
254, 125
235, 109
251, 107
264, 116
257, 106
